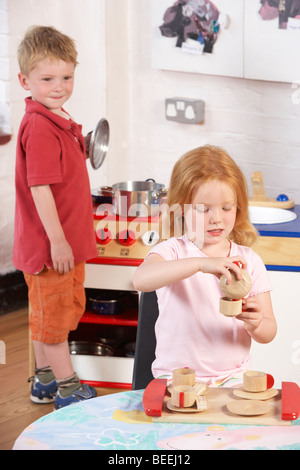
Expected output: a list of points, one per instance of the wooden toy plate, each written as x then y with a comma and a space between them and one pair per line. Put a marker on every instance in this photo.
248, 407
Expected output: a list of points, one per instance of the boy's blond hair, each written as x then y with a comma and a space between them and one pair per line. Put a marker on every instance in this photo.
45, 42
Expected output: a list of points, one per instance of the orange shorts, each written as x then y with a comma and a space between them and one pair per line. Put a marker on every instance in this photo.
57, 302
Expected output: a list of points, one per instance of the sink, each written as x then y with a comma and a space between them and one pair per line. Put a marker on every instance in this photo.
270, 215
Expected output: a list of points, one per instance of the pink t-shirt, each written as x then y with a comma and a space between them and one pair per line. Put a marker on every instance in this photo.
50, 151
190, 331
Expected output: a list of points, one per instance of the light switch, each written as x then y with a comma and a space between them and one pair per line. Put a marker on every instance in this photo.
184, 110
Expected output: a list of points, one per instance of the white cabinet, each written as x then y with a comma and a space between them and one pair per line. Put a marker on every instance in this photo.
281, 357
114, 372
108, 276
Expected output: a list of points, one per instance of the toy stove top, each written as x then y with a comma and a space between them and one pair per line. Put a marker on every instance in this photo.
123, 240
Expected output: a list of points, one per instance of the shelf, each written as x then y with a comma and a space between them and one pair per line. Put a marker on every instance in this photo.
97, 383
108, 371
128, 318
116, 261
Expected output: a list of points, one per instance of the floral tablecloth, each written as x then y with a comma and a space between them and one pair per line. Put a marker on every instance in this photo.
118, 421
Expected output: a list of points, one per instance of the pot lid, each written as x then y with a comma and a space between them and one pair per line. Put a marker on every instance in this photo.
99, 144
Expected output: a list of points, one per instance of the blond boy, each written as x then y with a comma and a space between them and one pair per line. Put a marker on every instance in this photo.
54, 233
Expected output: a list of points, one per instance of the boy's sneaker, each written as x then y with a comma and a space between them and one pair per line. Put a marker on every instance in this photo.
42, 393
84, 392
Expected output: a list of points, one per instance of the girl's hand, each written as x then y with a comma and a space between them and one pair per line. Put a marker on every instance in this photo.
155, 272
258, 317
223, 266
252, 314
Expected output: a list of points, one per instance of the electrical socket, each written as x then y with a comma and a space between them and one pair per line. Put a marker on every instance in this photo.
184, 110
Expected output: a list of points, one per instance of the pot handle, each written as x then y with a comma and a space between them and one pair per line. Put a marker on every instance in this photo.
106, 189
156, 194
159, 193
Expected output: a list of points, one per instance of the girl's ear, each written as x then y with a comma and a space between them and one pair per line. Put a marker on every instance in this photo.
23, 81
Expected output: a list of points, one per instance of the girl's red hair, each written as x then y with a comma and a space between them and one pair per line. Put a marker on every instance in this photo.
204, 164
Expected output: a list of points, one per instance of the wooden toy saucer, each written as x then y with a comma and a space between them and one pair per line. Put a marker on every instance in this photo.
265, 395
187, 395
199, 405
256, 389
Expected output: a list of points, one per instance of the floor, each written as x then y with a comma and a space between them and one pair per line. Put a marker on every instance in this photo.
16, 409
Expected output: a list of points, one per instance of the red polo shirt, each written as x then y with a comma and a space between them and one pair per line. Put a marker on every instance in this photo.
50, 151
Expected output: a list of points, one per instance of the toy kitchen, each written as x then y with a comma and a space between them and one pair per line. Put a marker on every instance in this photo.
127, 224
126, 221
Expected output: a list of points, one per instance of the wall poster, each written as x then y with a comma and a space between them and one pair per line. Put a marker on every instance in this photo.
198, 36
272, 40
256, 39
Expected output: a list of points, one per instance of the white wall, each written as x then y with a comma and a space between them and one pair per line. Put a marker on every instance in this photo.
256, 122
6, 165
84, 21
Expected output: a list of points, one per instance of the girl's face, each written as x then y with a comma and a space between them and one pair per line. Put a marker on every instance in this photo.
213, 212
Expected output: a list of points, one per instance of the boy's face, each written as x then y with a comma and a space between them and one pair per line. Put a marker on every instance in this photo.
50, 83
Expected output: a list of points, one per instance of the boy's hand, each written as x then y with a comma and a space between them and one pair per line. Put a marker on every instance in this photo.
62, 257
61, 251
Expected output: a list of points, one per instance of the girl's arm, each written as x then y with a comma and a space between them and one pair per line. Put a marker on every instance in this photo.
258, 317
155, 272
61, 252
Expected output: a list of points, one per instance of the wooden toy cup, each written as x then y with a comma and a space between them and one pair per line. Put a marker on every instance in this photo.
230, 308
231, 304
254, 381
184, 376
183, 396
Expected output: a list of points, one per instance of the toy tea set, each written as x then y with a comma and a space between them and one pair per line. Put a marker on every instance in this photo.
188, 396
256, 402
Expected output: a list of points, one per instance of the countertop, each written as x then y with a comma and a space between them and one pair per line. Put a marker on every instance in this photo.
287, 229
